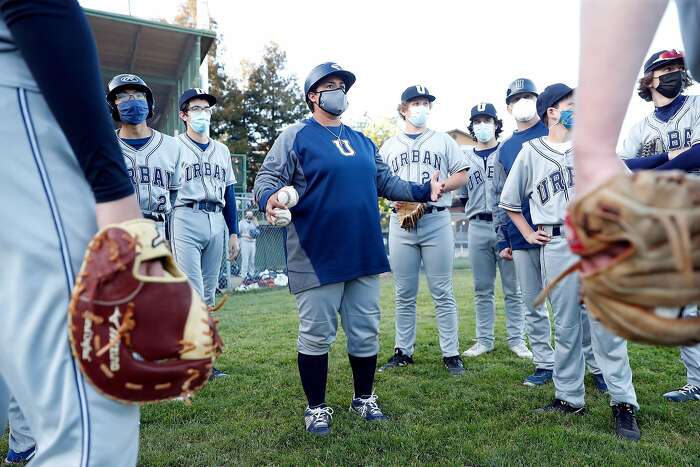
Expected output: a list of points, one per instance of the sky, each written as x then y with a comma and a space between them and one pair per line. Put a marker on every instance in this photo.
464, 52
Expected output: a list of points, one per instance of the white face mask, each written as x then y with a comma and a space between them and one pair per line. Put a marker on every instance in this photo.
524, 110
419, 115
484, 131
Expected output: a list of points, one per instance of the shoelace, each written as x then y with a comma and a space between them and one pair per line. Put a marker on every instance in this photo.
688, 388
370, 404
627, 415
322, 414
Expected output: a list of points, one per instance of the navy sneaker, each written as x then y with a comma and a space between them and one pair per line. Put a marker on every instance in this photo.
687, 393
397, 360
454, 365
367, 408
625, 422
561, 406
20, 457
318, 420
539, 378
216, 373
600, 384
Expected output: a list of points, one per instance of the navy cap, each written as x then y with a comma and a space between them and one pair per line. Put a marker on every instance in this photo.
412, 92
518, 87
198, 93
483, 109
550, 96
663, 58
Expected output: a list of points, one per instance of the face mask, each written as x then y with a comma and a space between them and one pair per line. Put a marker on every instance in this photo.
670, 84
334, 102
566, 118
484, 131
524, 110
200, 122
250, 218
133, 111
419, 115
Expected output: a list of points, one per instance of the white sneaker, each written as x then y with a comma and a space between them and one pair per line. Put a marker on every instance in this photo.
522, 351
476, 350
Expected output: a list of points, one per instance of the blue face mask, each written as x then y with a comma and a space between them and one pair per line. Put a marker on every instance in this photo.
200, 122
567, 118
133, 111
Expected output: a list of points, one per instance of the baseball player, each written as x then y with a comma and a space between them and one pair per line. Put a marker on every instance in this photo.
152, 158
249, 231
334, 245
543, 175
414, 156
67, 179
206, 202
521, 97
485, 128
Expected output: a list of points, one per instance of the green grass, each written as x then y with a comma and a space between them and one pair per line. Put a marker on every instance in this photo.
253, 417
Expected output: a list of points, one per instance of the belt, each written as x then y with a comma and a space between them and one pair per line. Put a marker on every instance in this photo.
553, 230
154, 216
209, 206
482, 217
428, 209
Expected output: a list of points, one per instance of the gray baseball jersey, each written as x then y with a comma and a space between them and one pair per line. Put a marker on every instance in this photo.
481, 172
155, 169
545, 176
205, 174
415, 160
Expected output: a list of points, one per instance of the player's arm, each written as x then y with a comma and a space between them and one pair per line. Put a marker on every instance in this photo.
607, 28
688, 159
229, 210
646, 163
394, 188
458, 166
500, 218
55, 40
515, 191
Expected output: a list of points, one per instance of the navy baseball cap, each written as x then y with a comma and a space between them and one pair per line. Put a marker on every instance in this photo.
663, 58
520, 86
550, 96
483, 109
412, 92
198, 93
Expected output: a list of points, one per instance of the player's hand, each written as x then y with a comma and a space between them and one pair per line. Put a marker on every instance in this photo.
506, 253
436, 188
675, 153
538, 237
272, 204
233, 248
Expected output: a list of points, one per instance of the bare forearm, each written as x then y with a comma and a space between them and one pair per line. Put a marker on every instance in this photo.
456, 181
114, 212
520, 222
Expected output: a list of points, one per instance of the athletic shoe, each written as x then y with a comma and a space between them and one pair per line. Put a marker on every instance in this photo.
397, 360
318, 420
368, 409
539, 378
216, 373
600, 383
561, 406
454, 365
20, 457
521, 351
687, 393
625, 422
476, 350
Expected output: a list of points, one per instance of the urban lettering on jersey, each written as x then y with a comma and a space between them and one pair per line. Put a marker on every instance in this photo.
207, 170
556, 182
404, 159
150, 175
476, 177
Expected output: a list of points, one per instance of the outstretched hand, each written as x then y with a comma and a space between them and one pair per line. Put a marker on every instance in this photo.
436, 188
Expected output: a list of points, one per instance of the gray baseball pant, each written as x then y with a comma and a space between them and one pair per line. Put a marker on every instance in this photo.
247, 258
432, 242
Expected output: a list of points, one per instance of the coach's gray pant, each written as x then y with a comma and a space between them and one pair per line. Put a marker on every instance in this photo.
52, 215
197, 244
569, 363
691, 355
432, 242
247, 258
357, 304
20, 438
484, 258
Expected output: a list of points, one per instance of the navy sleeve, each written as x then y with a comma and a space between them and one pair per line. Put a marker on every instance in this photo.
688, 160
230, 214
57, 45
646, 163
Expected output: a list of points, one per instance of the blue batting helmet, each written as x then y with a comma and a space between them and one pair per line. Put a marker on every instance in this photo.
324, 70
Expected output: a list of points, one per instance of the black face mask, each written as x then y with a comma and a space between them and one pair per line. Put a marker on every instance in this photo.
670, 84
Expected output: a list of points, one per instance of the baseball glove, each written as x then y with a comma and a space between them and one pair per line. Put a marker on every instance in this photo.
137, 328
639, 237
409, 213
651, 148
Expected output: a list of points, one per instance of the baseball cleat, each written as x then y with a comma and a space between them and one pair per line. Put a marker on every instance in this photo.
625, 422
368, 409
397, 360
476, 350
600, 383
687, 393
558, 405
521, 351
318, 420
216, 373
454, 365
539, 378
20, 457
